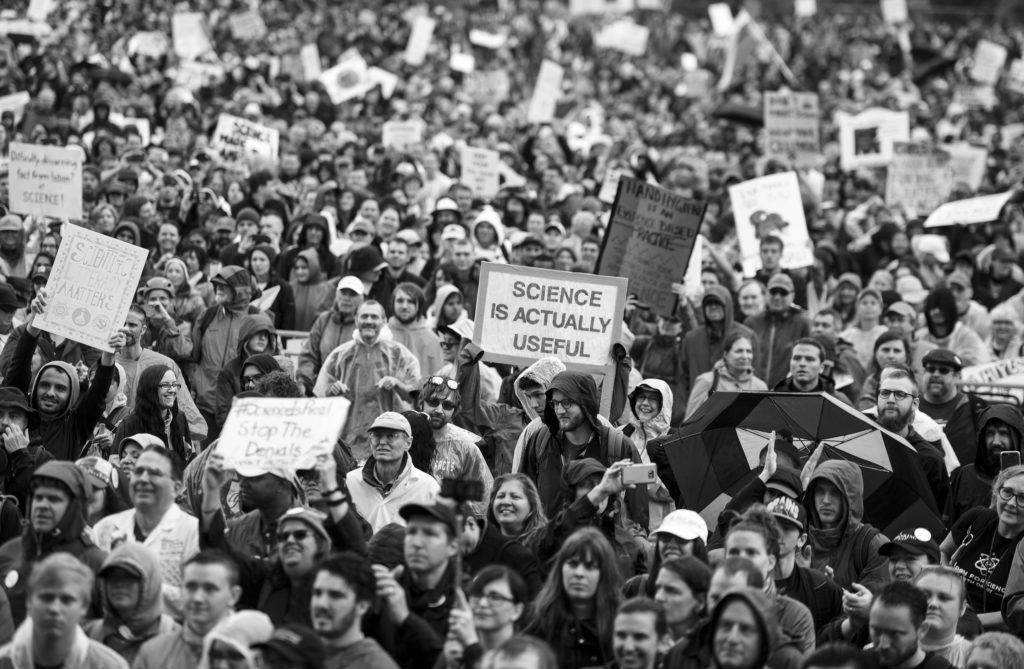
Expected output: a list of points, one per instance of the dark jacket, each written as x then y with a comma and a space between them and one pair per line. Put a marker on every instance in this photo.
822, 597
71, 352
971, 484
777, 332
961, 425
496, 548
229, 380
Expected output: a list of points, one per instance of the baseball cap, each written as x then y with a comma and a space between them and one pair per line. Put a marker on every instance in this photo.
391, 420
8, 298
785, 480
873, 292
453, 232
360, 225
409, 236
101, 473
850, 278
526, 239
911, 289
10, 222
958, 279
351, 283
902, 308
13, 398
781, 280
943, 356
158, 283
684, 524
555, 225
439, 512
787, 510
916, 541
365, 259
296, 643
248, 214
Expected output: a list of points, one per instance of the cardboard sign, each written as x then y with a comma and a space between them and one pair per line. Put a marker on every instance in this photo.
247, 26
402, 135
919, 178
288, 433
349, 79
975, 96
992, 375
91, 286
771, 205
480, 171
649, 239
237, 138
894, 11
419, 40
189, 32
1015, 77
490, 87
982, 209
38, 10
805, 9
989, 59
792, 124
15, 103
866, 140
967, 163
46, 180
625, 36
545, 93
524, 313
723, 23
309, 56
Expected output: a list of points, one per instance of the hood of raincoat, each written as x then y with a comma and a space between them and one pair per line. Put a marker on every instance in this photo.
759, 604
143, 439
240, 282
313, 260
443, 293
131, 227
657, 425
252, 325
578, 387
942, 299
1009, 415
74, 385
542, 371
719, 294
845, 476
264, 362
144, 564
73, 522
490, 217
240, 630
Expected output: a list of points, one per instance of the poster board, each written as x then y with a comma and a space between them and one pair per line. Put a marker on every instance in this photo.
1006, 373
247, 26
188, 30
15, 103
348, 79
792, 128
309, 56
236, 138
967, 163
625, 36
965, 212
402, 135
895, 11
419, 40
1015, 76
649, 239
805, 9
487, 86
919, 179
866, 140
545, 93
91, 286
46, 180
480, 171
989, 59
771, 205
723, 23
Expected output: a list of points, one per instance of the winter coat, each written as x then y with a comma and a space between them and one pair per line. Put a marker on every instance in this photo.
229, 380
422, 340
379, 504
719, 378
971, 484
309, 295
776, 333
702, 346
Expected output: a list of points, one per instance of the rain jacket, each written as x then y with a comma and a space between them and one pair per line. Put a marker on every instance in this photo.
239, 631
641, 432
330, 330
851, 549
378, 503
19, 555
776, 333
962, 340
443, 293
660, 356
495, 252
64, 435
456, 456
360, 365
543, 447
421, 339
229, 380
310, 294
719, 378
702, 346
85, 653
127, 634
971, 484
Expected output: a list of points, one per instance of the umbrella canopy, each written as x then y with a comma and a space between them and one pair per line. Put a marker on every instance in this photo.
717, 452
731, 111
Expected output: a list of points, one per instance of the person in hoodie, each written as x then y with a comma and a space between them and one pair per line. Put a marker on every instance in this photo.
115, 409
1001, 429
331, 329
66, 417
569, 430
261, 262
56, 516
256, 336
841, 544
129, 591
374, 372
314, 236
777, 327
743, 609
735, 371
448, 307
410, 329
309, 287
651, 406
127, 230
488, 236
944, 330
234, 636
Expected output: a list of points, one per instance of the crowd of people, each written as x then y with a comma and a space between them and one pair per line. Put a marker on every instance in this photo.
475, 514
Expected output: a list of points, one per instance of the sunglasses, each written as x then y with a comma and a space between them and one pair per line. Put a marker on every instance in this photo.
298, 535
251, 379
447, 406
936, 369
781, 292
452, 384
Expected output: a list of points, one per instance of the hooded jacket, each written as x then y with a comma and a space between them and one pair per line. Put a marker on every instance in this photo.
434, 313
776, 333
702, 346
851, 548
309, 295
421, 339
960, 339
495, 252
544, 447
762, 609
719, 378
229, 380
240, 631
642, 431
126, 634
19, 555
971, 484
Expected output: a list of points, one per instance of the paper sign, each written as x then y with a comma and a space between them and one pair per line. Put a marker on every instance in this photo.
487, 40
38, 10
649, 239
140, 124
91, 286
461, 61
402, 135
723, 23
894, 11
1009, 372
791, 123
545, 93
967, 163
1015, 77
419, 40
386, 80
624, 36
347, 80
866, 140
610, 187
151, 43
491, 87
194, 75
480, 171
247, 26
309, 56
805, 8
975, 96
919, 178
982, 209
989, 59
771, 205
189, 32
582, 7
289, 433
237, 138
15, 103
524, 313
46, 180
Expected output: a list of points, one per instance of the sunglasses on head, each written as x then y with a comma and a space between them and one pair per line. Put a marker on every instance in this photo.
451, 384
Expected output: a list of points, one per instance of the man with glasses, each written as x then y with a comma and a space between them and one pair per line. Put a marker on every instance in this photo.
155, 521
1000, 429
956, 411
777, 327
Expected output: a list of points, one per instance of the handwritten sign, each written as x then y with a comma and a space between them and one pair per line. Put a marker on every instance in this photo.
247, 26
967, 163
866, 140
525, 313
771, 206
487, 87
237, 138
919, 179
895, 11
989, 59
91, 286
46, 180
650, 237
419, 40
805, 8
309, 56
610, 186
348, 79
545, 93
189, 32
402, 135
15, 103
791, 123
262, 433
982, 209
723, 23
625, 36
38, 10
480, 171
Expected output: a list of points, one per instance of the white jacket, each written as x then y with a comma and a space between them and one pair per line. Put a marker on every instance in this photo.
411, 486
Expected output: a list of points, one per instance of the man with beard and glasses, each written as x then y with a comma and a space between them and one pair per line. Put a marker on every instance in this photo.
410, 328
639, 626
957, 412
331, 329
896, 625
374, 372
155, 521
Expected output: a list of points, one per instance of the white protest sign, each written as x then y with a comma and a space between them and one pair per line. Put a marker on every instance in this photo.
982, 209
524, 314
1006, 373
509, 177
866, 140
91, 286
386, 80
895, 11
193, 74
247, 26
15, 103
288, 433
989, 59
919, 178
487, 40
38, 10
309, 56
581, 7
792, 126
545, 93
46, 180
1015, 77
140, 124
419, 40
402, 135
967, 163
189, 32
805, 8
237, 138
480, 171
723, 23
487, 87
771, 206
151, 43
975, 96
610, 186
461, 61
346, 80
625, 36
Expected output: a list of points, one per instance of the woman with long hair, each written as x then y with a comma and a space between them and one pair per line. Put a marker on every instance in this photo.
515, 508
262, 263
188, 302
156, 412
866, 326
891, 348
575, 610
497, 597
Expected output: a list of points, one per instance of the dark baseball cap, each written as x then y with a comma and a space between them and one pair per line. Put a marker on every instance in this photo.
943, 356
916, 541
296, 643
787, 510
439, 512
785, 480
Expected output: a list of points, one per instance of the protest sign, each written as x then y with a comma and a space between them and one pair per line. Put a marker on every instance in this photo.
91, 286
610, 186
545, 93
1003, 377
965, 212
649, 239
15, 103
583, 7
894, 11
237, 138
919, 178
866, 140
281, 433
723, 23
402, 135
38, 10
791, 124
487, 40
771, 206
480, 171
805, 8
309, 56
285, 40
27, 27
150, 43
487, 87
419, 40
975, 96
194, 75
967, 163
386, 80
140, 124
46, 180
348, 79
624, 36
1015, 77
989, 59
509, 177
247, 26
189, 32
461, 61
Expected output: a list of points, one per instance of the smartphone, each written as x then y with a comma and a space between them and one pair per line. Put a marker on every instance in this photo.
1009, 459
634, 474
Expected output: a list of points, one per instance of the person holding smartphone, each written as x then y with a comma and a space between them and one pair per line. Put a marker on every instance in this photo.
1000, 433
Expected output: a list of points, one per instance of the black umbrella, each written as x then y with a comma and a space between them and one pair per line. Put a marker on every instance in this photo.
737, 113
717, 452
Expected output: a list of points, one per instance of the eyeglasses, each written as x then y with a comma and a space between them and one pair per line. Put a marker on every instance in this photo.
225, 655
936, 369
252, 379
779, 292
149, 471
493, 598
1006, 494
175, 387
446, 405
899, 395
452, 384
298, 535
564, 404
446, 345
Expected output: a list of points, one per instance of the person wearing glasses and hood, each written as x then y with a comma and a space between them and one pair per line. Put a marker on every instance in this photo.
1000, 430
651, 406
945, 331
256, 335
